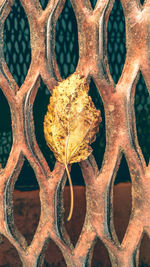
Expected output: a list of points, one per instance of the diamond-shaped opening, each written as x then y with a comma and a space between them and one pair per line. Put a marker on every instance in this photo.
77, 219
26, 202
39, 110
100, 255
122, 203
53, 256
8, 254
144, 258
116, 41
99, 145
26, 180
76, 175
66, 48
74, 226
93, 3
142, 113
5, 130
43, 3
17, 50
123, 174
142, 2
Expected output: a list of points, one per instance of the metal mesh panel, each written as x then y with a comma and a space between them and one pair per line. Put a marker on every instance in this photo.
118, 101
17, 54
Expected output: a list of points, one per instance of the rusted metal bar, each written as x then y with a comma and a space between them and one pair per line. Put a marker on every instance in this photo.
121, 134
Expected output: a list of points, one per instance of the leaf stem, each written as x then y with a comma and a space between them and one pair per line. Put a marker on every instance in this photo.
71, 194
70, 182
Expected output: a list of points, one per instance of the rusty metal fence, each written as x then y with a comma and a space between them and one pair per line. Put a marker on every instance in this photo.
121, 136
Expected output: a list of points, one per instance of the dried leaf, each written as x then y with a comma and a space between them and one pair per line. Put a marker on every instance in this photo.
71, 121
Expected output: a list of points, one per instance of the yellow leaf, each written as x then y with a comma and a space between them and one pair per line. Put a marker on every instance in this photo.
71, 122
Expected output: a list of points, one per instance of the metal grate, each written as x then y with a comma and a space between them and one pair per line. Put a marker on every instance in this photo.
17, 53
121, 137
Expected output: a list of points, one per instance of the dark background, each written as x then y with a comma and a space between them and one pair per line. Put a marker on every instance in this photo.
17, 53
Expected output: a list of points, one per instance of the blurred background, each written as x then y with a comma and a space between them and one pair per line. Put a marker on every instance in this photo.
17, 53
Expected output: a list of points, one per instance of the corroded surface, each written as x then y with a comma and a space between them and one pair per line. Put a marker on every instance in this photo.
27, 212
121, 135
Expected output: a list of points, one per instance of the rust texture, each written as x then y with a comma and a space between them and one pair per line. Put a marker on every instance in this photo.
121, 134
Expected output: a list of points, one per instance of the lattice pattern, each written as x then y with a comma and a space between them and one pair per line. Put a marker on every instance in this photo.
121, 135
